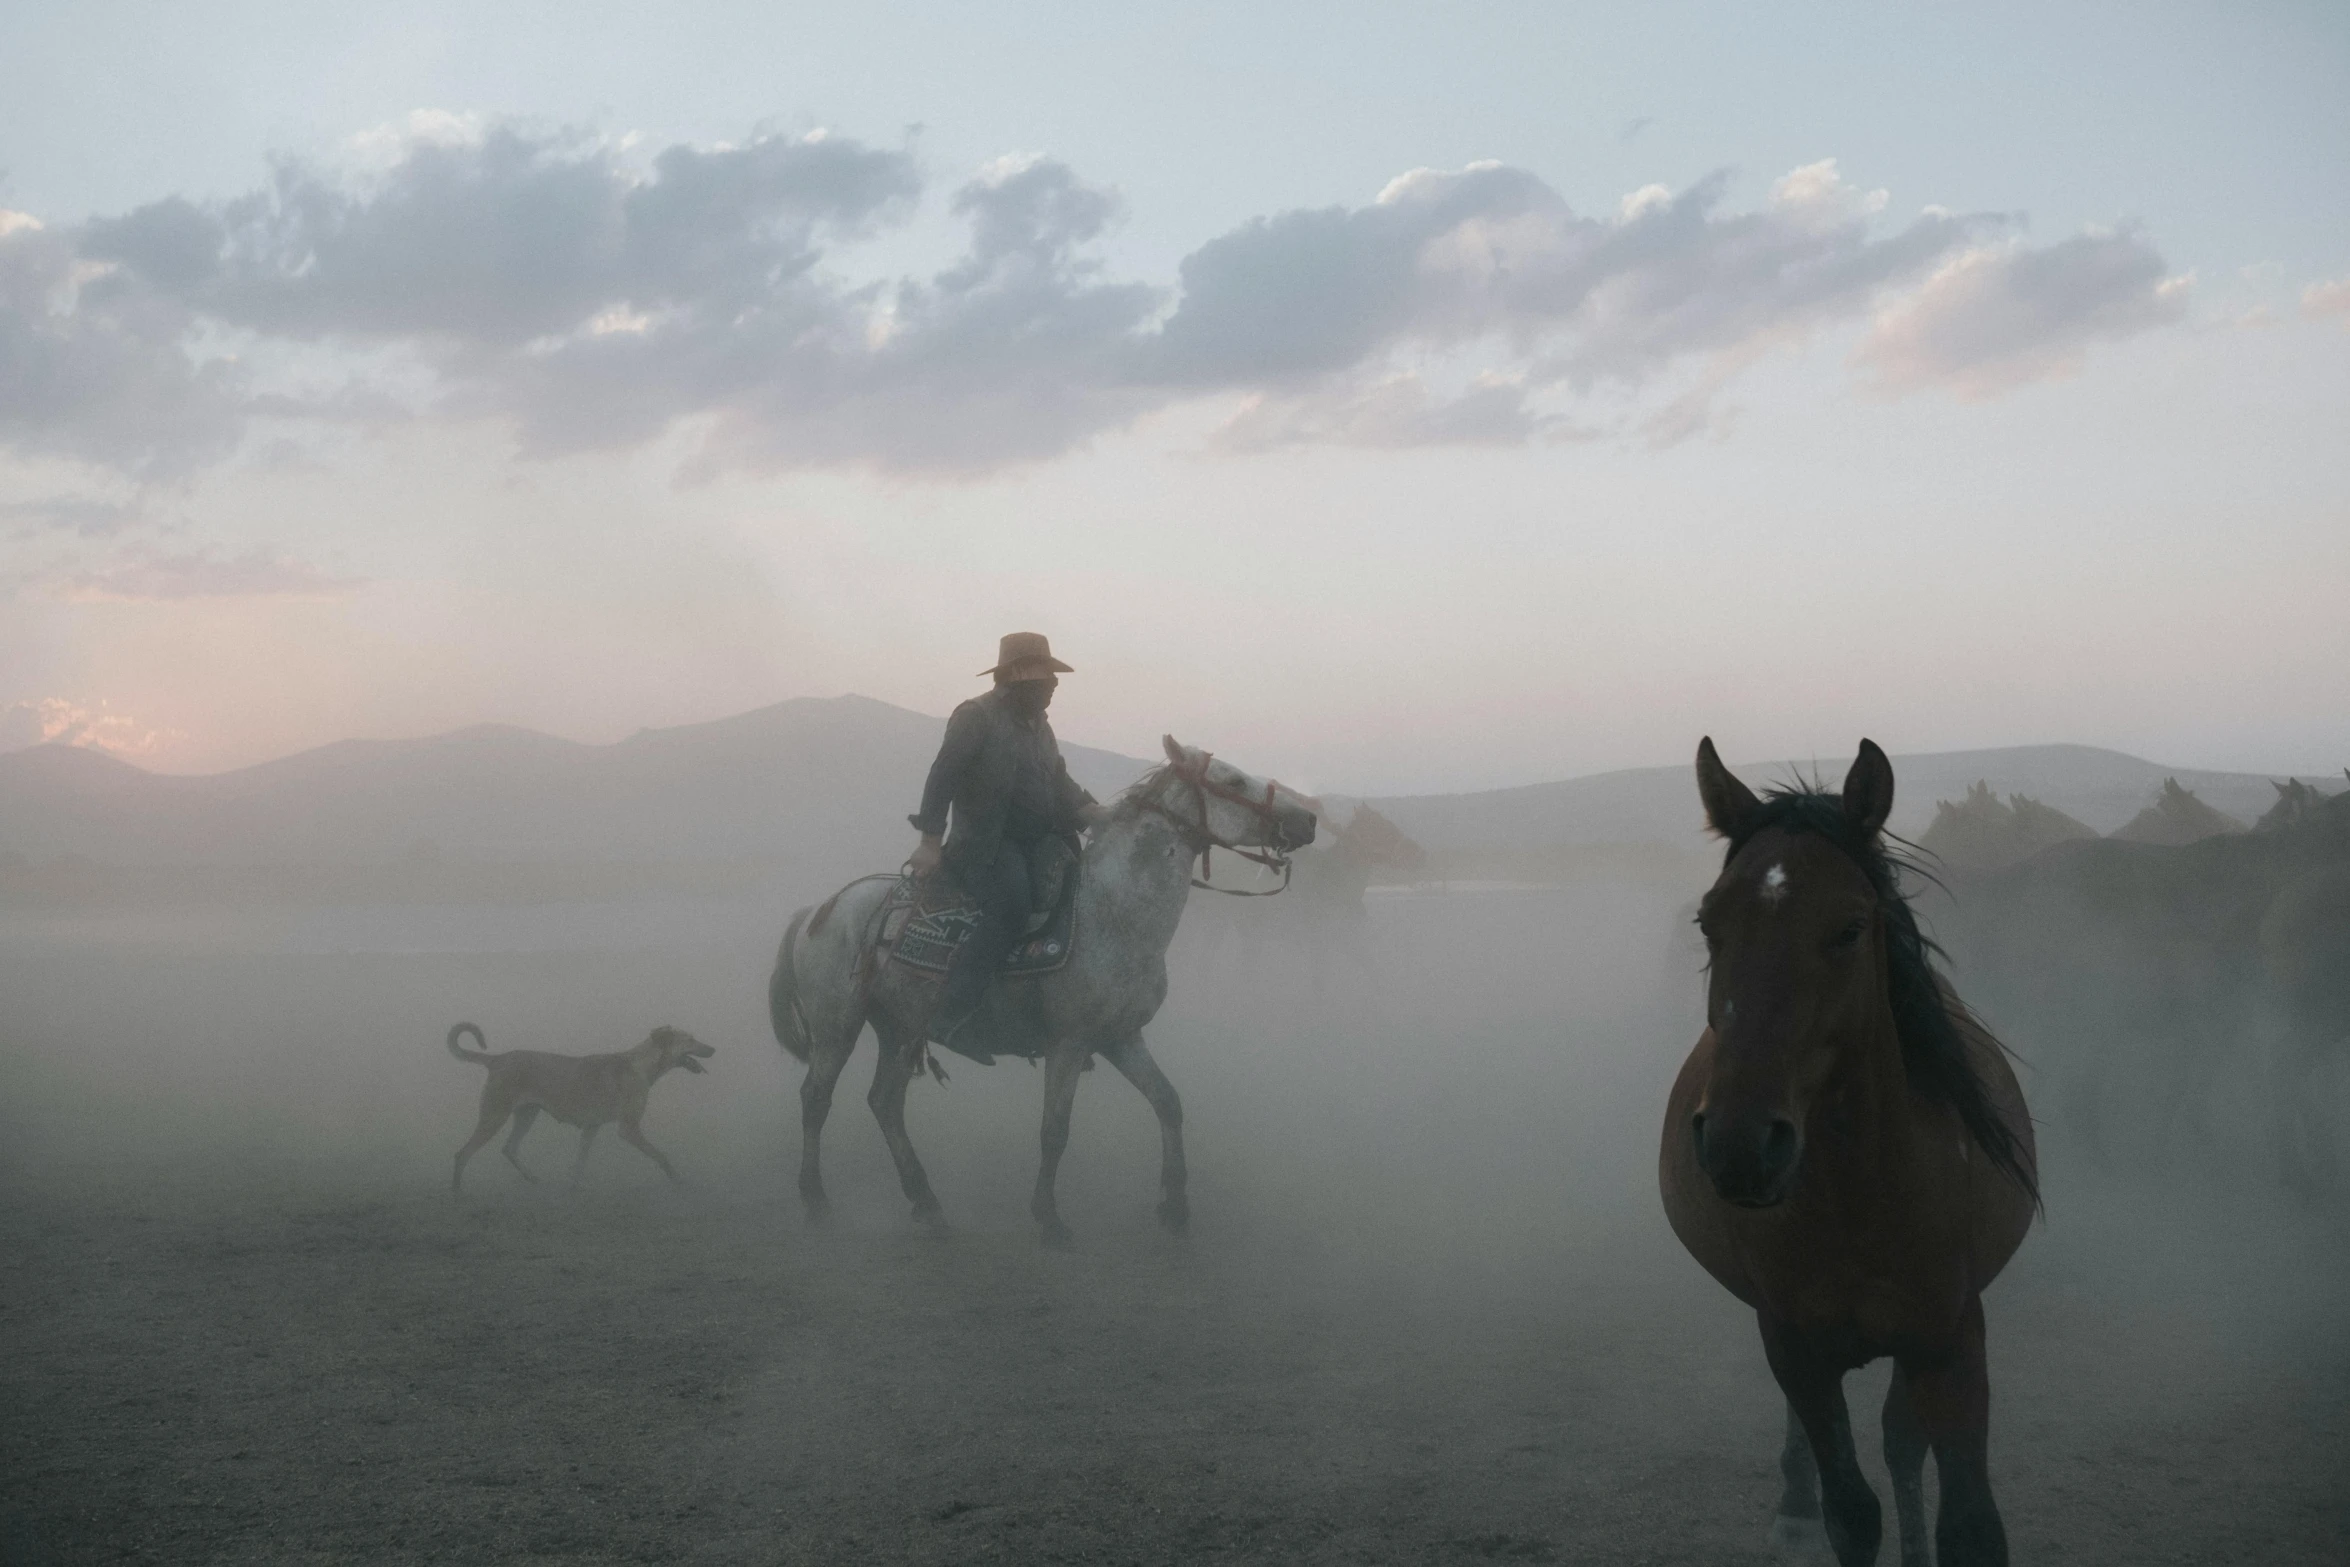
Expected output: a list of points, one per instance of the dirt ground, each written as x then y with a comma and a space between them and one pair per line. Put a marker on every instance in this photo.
1429, 1312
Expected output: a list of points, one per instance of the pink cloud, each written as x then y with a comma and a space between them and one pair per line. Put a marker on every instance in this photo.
54, 720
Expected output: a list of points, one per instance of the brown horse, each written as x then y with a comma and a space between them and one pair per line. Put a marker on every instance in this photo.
1847, 1152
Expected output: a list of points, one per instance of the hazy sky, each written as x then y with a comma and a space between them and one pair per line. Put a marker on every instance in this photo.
1390, 402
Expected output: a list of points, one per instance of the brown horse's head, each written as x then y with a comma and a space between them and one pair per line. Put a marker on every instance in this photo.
1816, 964
1797, 966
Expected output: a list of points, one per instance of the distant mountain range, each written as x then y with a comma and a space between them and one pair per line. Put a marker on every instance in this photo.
2103, 789
825, 784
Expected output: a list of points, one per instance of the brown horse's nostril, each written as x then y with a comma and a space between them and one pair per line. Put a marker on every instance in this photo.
1779, 1148
1697, 1134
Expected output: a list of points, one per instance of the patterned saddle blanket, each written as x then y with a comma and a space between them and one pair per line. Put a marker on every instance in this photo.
924, 922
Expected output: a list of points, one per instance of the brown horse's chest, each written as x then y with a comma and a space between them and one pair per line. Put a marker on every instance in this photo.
1865, 1253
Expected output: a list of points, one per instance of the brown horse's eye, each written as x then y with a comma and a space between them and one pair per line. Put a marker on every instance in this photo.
1849, 937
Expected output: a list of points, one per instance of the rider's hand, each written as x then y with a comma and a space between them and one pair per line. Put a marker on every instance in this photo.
1092, 814
924, 861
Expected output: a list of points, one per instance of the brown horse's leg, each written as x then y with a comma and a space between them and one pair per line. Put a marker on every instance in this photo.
887, 1096
824, 1068
1133, 1058
1905, 1456
1814, 1385
1952, 1394
1060, 1094
1797, 1528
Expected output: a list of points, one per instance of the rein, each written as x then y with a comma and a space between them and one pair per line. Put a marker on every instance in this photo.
1203, 787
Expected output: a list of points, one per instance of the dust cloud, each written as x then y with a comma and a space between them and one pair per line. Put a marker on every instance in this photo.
1429, 1311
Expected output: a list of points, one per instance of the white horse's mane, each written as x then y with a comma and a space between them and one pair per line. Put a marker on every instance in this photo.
1136, 797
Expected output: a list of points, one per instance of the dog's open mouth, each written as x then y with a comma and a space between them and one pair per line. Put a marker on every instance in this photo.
689, 1063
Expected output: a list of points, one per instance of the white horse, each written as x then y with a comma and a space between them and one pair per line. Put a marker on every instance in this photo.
830, 980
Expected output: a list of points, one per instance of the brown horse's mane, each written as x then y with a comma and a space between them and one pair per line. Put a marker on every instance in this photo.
1927, 1015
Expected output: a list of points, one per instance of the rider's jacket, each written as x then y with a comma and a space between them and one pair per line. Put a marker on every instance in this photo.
1003, 774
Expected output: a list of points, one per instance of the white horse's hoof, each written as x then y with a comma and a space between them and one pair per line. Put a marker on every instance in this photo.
1800, 1539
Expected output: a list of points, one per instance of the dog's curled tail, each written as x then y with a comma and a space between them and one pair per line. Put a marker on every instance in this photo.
783, 993
481, 1057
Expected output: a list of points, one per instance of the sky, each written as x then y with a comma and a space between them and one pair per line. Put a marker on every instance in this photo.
1391, 401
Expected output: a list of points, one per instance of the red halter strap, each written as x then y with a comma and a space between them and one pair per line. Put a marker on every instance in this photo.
1264, 810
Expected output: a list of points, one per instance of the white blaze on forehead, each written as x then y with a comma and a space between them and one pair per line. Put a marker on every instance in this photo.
1774, 885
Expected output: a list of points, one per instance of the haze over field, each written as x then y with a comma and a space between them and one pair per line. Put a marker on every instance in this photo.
813, 779
453, 459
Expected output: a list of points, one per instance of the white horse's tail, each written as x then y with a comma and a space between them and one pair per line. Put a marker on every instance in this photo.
783, 993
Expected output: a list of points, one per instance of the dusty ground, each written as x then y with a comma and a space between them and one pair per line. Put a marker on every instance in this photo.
1429, 1313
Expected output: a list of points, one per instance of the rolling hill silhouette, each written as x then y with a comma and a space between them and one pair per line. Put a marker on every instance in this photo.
824, 784
812, 780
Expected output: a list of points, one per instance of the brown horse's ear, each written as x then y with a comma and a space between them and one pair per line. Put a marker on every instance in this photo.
1868, 790
1727, 801
1174, 751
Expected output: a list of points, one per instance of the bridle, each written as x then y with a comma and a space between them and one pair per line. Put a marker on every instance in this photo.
1263, 810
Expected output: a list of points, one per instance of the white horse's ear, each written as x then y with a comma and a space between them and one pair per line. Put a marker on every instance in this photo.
1174, 751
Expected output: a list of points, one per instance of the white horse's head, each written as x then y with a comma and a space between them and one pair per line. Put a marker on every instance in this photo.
1227, 806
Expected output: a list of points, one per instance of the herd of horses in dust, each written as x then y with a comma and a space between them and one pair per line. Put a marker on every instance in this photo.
1846, 1148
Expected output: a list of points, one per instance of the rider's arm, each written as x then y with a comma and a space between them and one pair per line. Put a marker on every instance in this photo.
1076, 804
966, 732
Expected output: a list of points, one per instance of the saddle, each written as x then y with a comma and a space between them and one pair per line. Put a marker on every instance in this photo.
925, 921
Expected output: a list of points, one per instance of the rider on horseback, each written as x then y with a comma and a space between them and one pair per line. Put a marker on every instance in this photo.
1001, 770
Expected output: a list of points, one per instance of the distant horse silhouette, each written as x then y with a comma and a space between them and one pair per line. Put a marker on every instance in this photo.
830, 980
2154, 972
1323, 923
1846, 1151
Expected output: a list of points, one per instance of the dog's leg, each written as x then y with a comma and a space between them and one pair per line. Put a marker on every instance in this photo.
524, 1119
636, 1139
495, 1107
587, 1140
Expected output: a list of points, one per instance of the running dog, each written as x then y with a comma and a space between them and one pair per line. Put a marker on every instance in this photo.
581, 1091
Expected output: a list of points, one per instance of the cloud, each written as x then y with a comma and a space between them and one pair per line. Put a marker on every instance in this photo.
1393, 411
1491, 255
86, 516
510, 236
2001, 315
590, 296
94, 363
258, 573
1014, 352
53, 720
2320, 301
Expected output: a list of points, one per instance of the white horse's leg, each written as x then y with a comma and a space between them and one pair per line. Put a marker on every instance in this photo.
1061, 1069
825, 1064
900, 1060
1133, 1058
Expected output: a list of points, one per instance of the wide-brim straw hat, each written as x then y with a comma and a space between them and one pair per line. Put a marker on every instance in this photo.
1026, 655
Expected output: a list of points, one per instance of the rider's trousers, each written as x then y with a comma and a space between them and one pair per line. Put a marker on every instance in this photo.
1005, 898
